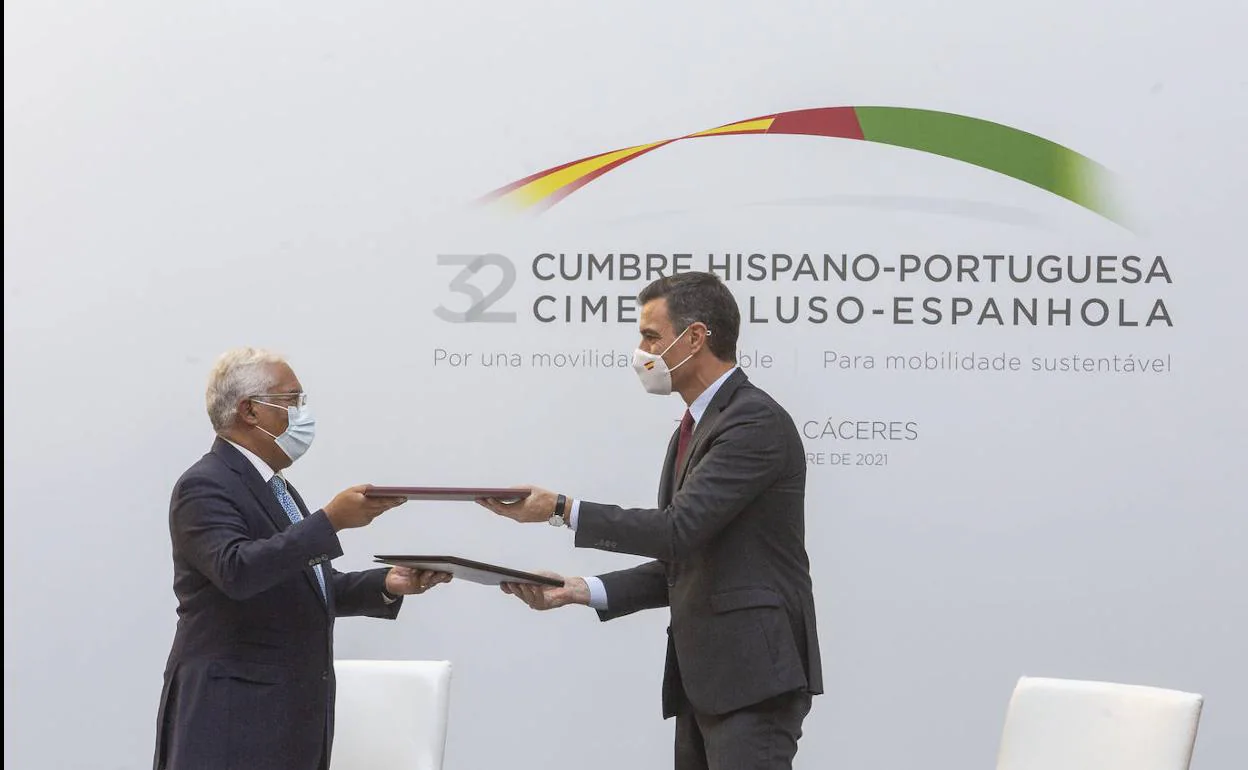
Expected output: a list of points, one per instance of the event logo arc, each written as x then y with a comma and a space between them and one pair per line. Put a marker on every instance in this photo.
1003, 149
816, 285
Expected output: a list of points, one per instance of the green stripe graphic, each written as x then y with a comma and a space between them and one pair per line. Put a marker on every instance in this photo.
1018, 154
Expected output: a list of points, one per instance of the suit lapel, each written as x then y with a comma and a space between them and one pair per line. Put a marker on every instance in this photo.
261, 491
707, 424
268, 500
710, 418
665, 480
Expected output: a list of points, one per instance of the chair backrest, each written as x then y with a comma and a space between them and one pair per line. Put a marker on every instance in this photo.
1061, 724
391, 714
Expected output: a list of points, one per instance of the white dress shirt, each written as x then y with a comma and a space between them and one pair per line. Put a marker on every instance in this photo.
597, 591
266, 472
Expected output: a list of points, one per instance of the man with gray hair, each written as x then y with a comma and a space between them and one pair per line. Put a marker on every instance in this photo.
249, 681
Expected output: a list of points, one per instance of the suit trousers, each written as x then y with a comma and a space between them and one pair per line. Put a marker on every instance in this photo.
759, 737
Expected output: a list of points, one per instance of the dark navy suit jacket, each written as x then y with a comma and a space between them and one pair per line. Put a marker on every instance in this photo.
249, 682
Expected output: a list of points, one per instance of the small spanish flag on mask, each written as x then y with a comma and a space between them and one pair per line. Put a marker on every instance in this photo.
649, 365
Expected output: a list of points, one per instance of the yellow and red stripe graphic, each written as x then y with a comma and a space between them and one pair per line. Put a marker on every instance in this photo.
1005, 150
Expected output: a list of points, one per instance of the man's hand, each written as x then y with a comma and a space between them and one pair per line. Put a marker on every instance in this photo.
573, 591
350, 508
401, 581
538, 506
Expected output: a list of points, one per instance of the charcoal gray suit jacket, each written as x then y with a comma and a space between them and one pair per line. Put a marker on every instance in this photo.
728, 543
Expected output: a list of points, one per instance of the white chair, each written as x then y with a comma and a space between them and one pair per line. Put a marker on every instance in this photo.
391, 714
1059, 724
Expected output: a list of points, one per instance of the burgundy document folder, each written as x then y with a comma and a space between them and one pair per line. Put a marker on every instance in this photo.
507, 495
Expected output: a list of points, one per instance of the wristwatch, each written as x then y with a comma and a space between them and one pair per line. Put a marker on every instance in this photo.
557, 519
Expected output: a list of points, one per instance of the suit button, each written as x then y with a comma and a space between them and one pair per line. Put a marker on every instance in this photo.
325, 675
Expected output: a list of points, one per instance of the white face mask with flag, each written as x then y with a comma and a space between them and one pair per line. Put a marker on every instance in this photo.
655, 375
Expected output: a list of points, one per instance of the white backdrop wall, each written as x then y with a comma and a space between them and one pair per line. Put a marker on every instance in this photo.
180, 179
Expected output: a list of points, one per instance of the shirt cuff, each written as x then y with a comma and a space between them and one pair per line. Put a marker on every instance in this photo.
576, 512
597, 593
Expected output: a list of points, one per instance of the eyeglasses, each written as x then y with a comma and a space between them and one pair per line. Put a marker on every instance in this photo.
298, 399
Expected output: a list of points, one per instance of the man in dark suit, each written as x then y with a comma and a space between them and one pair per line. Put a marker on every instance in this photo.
249, 682
727, 542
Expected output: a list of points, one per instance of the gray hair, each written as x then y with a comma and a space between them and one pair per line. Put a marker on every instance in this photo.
238, 374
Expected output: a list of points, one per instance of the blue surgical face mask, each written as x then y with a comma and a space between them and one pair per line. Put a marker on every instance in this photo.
300, 430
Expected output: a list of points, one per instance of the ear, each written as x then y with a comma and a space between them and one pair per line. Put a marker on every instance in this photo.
697, 336
247, 412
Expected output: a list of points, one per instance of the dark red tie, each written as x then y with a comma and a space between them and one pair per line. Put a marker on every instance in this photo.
686, 432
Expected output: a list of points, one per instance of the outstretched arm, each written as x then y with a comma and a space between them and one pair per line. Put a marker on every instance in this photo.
620, 593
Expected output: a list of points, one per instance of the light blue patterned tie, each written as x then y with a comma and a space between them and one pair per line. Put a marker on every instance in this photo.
288, 504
